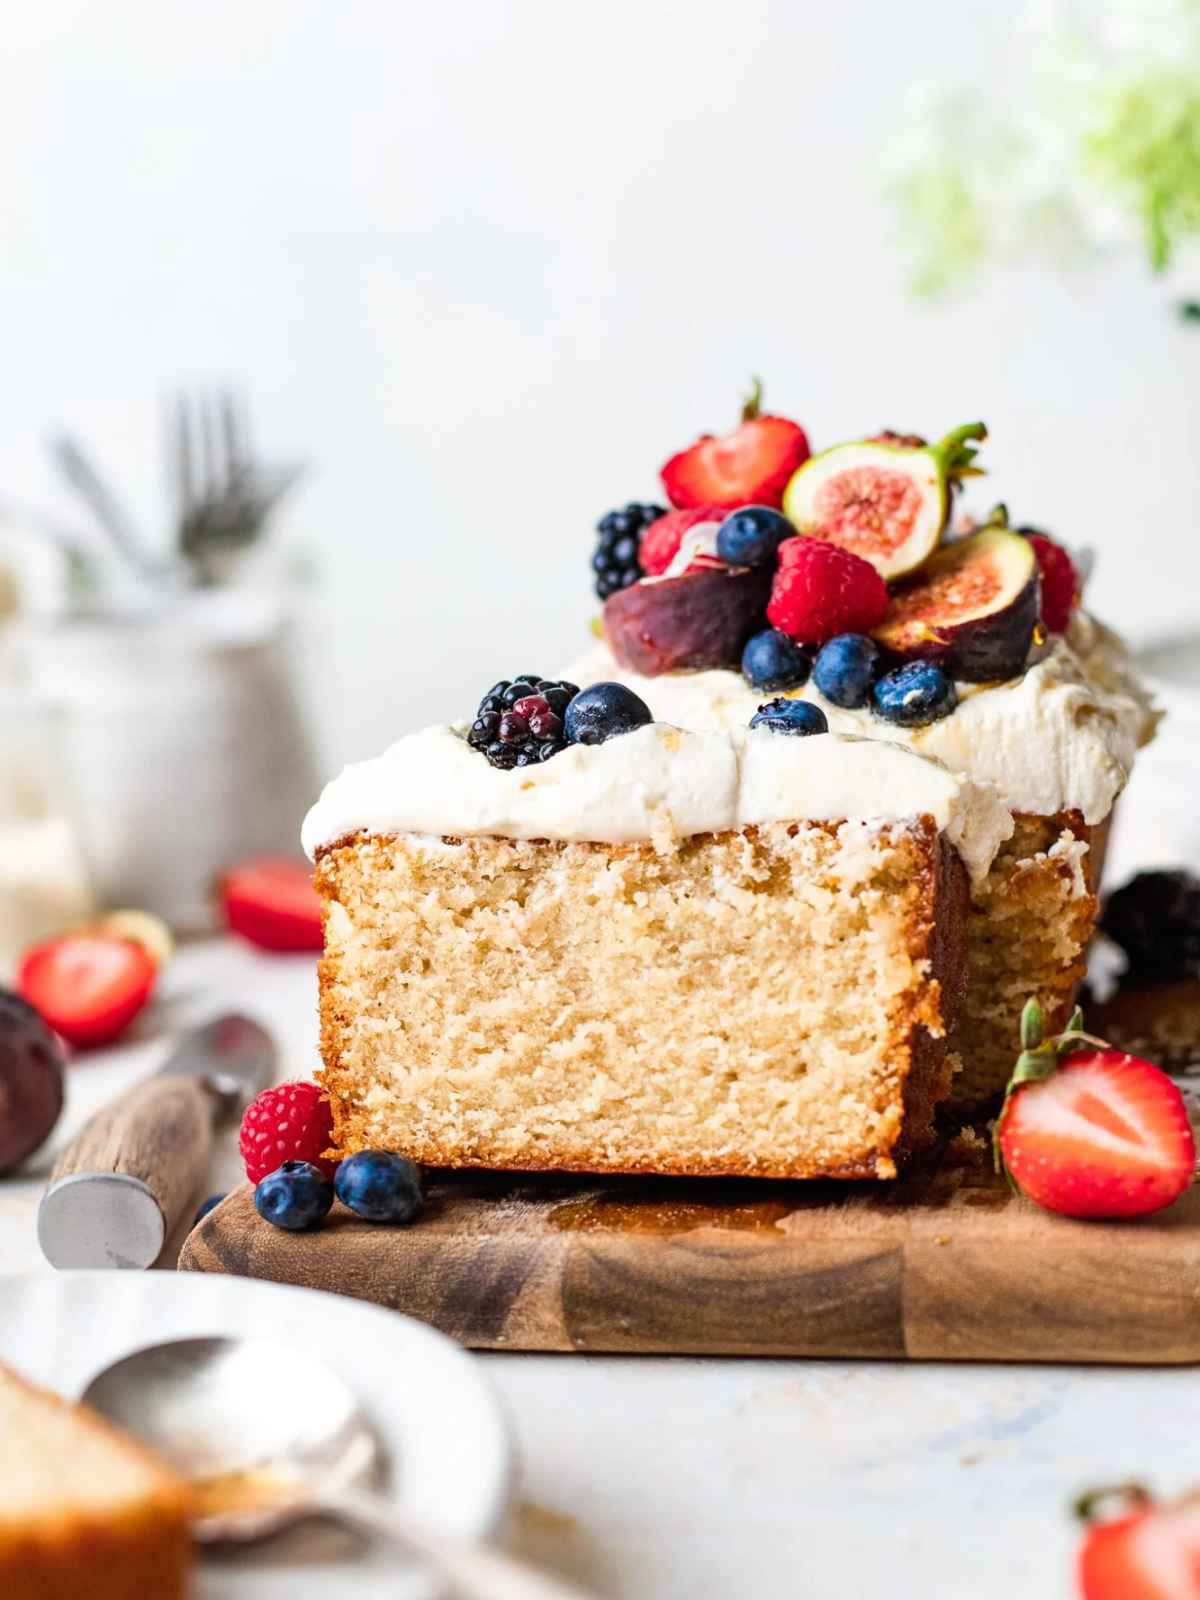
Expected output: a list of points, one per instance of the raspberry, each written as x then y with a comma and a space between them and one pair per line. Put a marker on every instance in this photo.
288, 1123
821, 590
1060, 581
661, 540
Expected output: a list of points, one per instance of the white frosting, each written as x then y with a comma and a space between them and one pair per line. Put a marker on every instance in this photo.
1061, 737
658, 783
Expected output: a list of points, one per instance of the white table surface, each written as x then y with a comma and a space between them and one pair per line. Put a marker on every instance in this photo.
779, 1480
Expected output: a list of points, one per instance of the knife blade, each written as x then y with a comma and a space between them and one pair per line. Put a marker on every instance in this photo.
122, 1184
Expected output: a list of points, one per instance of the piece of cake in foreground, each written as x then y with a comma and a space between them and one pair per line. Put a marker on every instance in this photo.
84, 1511
716, 953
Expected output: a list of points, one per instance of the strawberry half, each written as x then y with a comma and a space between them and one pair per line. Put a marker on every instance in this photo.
750, 466
1089, 1131
272, 903
88, 986
1149, 1552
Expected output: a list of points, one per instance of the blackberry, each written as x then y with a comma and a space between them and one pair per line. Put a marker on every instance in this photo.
1155, 918
615, 564
519, 722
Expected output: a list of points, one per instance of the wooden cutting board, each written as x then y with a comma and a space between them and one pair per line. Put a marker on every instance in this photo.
945, 1264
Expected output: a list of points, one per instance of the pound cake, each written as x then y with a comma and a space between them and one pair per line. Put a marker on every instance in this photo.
568, 938
836, 579
84, 1511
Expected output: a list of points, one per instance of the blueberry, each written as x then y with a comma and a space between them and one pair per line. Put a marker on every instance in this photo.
914, 694
379, 1186
773, 661
296, 1196
205, 1206
845, 669
604, 711
750, 537
796, 717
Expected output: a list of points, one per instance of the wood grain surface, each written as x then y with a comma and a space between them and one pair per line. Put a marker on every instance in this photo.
160, 1131
945, 1264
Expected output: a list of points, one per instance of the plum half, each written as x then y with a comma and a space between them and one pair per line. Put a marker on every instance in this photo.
31, 1080
887, 499
973, 608
699, 619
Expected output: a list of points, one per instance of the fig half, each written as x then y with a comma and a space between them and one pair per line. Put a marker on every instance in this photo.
700, 619
887, 499
973, 608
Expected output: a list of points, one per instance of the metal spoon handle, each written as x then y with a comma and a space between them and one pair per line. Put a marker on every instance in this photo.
473, 1571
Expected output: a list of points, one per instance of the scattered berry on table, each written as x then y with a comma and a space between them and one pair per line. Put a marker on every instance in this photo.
771, 660
87, 986
662, 539
821, 590
1089, 1131
751, 465
846, 668
604, 711
1155, 918
917, 693
271, 903
31, 1080
750, 536
519, 721
291, 1122
205, 1206
380, 1186
800, 718
1142, 1550
296, 1196
615, 561
1060, 581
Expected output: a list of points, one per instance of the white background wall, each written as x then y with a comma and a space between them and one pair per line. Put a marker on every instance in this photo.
487, 264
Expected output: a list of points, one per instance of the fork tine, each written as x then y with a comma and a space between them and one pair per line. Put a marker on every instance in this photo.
227, 404
210, 473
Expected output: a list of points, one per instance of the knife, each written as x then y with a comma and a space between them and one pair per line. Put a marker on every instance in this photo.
121, 1185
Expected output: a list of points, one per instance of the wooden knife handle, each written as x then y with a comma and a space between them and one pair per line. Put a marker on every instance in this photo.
159, 1132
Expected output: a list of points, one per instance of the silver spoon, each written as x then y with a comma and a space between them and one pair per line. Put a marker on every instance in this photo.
224, 1413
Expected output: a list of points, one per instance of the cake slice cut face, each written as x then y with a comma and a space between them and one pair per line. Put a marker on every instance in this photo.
720, 953
83, 1510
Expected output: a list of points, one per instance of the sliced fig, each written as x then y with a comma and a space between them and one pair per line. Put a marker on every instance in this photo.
700, 619
973, 608
887, 499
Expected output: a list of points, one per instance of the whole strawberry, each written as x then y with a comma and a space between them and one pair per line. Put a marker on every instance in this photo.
290, 1122
821, 590
1144, 1552
1060, 581
1089, 1131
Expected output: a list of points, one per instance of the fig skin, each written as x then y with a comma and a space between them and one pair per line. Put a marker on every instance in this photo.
31, 1081
697, 620
989, 648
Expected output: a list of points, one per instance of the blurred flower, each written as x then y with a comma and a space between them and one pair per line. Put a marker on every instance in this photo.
1090, 143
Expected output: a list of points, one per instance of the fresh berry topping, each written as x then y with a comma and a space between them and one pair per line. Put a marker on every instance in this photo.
380, 1186
205, 1206
1144, 1551
1089, 1131
1155, 918
1060, 581
662, 539
914, 694
751, 465
773, 661
615, 561
31, 1080
290, 1122
296, 1196
845, 670
603, 712
519, 722
800, 718
899, 441
272, 904
750, 536
821, 590
87, 986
